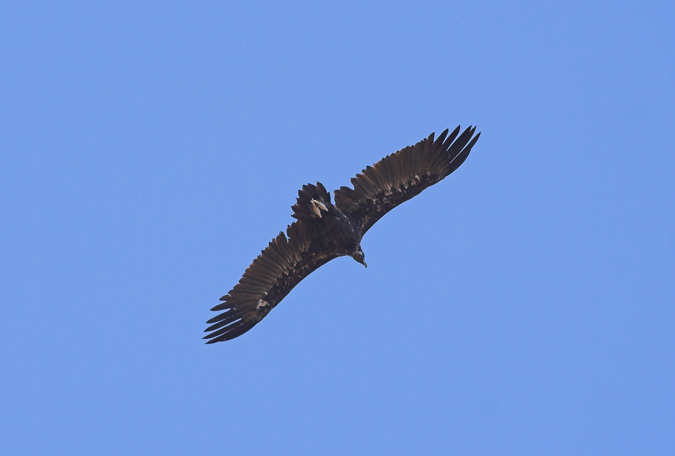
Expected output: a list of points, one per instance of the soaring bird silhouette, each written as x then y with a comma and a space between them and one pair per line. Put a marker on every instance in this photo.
326, 230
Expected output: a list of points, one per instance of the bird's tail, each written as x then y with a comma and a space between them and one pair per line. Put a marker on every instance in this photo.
313, 201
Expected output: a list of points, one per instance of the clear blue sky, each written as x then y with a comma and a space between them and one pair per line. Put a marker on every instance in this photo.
523, 306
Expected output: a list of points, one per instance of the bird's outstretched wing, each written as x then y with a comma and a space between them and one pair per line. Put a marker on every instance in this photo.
402, 175
271, 276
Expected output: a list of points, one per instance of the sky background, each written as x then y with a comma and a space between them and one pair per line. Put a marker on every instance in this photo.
523, 306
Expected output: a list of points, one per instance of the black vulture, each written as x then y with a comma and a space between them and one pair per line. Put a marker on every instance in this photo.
325, 230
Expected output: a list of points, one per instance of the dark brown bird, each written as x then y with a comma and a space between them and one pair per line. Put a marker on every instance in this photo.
326, 230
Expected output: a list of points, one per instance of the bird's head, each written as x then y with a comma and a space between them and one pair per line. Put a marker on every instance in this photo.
359, 256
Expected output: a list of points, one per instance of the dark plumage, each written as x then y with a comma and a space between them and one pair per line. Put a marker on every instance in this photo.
326, 230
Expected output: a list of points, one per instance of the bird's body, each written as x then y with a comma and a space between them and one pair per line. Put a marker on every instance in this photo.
325, 230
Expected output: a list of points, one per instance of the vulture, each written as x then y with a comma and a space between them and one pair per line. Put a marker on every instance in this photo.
327, 229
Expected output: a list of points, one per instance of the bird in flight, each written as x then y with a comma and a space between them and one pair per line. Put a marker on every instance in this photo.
325, 230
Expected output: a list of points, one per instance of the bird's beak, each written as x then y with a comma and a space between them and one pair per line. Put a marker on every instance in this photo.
364, 264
